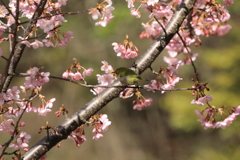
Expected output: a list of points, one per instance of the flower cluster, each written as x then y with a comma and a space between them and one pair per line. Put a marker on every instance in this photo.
100, 124
126, 49
141, 102
209, 115
78, 136
211, 19
199, 93
160, 11
48, 23
12, 98
62, 110
77, 72
21, 142
106, 79
46, 106
167, 73
35, 79
104, 11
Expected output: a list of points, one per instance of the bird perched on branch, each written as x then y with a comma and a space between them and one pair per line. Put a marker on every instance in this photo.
127, 76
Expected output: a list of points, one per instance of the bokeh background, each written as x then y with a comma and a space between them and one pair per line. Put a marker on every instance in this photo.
168, 129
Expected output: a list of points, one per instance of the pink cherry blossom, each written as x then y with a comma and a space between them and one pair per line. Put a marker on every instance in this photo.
237, 110
105, 122
68, 36
148, 102
22, 124
119, 49
76, 76
106, 79
58, 19
65, 74
151, 2
36, 44
46, 25
154, 85
126, 49
171, 61
127, 93
62, 2
199, 114
200, 101
130, 54
49, 103
23, 41
138, 106
106, 67
6, 125
87, 72
162, 11
29, 107
130, 3
13, 93
135, 13
95, 13
77, 137
48, 43
10, 21
224, 29
3, 11
100, 125
205, 99
104, 12
13, 112
42, 111
43, 78
197, 102
97, 136
228, 2
21, 142
151, 30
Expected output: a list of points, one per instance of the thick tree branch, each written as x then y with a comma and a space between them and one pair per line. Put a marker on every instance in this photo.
97, 103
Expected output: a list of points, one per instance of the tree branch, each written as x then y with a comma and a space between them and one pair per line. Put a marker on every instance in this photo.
19, 48
97, 103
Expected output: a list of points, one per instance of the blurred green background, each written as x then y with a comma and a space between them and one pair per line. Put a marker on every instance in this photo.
168, 129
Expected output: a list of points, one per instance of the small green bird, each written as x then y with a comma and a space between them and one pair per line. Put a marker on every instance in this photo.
127, 76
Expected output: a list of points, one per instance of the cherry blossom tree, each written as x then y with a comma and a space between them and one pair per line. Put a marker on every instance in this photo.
174, 25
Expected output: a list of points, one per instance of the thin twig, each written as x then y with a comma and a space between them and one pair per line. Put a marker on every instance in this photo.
189, 56
100, 86
4, 58
164, 30
62, 13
